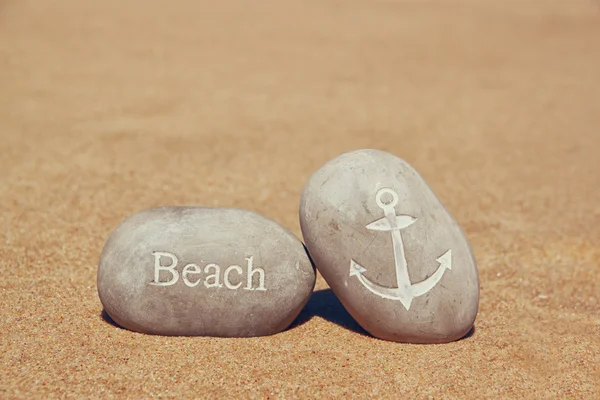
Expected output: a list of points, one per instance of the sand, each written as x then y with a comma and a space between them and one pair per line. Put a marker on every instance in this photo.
110, 107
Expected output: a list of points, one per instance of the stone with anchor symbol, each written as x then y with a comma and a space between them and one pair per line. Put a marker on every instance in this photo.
389, 250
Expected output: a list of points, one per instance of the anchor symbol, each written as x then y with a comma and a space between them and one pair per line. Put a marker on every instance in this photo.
405, 291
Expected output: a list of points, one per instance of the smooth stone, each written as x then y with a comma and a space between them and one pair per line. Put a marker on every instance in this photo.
358, 214
193, 271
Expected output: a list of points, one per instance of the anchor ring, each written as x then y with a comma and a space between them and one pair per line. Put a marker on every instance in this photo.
384, 191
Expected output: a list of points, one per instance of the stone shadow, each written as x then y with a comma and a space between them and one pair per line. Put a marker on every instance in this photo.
469, 334
106, 318
323, 303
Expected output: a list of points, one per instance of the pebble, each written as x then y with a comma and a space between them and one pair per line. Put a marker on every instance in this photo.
191, 271
389, 250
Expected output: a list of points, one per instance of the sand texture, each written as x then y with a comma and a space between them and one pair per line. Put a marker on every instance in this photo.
110, 107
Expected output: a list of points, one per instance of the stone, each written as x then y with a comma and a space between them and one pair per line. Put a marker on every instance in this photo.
192, 271
389, 250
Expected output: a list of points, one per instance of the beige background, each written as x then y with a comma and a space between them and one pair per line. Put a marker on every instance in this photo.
110, 107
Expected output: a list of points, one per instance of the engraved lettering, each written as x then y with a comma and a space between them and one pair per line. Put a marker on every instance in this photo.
226, 276
210, 275
169, 268
251, 271
214, 276
189, 270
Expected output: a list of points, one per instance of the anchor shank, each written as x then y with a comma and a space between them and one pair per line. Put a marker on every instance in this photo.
402, 278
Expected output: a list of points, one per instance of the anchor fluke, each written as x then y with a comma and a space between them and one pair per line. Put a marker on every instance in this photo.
356, 269
445, 260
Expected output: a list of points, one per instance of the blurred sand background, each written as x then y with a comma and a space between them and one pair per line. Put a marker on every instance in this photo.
109, 107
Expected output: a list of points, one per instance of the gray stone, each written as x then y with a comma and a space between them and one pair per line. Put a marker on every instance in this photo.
389, 250
204, 271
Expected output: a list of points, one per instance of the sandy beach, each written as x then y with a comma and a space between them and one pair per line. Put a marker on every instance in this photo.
111, 107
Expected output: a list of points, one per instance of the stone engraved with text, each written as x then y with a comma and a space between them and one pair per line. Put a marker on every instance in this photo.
234, 277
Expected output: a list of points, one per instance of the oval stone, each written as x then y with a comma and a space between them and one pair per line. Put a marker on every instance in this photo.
389, 250
204, 271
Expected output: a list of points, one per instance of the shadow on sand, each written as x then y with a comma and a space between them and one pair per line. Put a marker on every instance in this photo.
324, 304
106, 318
